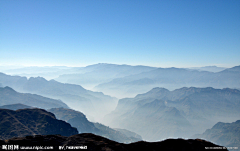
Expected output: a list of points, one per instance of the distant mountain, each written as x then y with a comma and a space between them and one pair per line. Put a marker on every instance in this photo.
15, 106
48, 72
94, 104
100, 73
9, 96
79, 120
209, 68
226, 134
160, 113
32, 122
170, 78
93, 142
154, 121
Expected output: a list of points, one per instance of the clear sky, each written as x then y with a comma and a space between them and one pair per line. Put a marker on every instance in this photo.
162, 33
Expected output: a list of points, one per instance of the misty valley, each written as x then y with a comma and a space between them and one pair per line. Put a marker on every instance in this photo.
123, 106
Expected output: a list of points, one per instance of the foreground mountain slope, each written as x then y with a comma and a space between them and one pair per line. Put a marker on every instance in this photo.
94, 104
93, 142
9, 96
161, 113
32, 122
79, 120
226, 134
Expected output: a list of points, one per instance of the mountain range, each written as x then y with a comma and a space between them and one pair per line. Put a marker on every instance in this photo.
209, 68
93, 104
92, 75
181, 102
169, 78
79, 120
48, 72
9, 96
226, 134
127, 81
160, 113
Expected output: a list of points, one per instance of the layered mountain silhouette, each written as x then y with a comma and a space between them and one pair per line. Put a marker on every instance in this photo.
25, 122
48, 72
209, 68
127, 81
226, 134
79, 120
93, 75
170, 78
93, 142
94, 104
9, 96
160, 113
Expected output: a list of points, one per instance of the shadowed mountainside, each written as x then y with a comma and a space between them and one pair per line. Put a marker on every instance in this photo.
32, 122
97, 143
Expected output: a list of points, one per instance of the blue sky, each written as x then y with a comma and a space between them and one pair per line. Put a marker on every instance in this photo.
162, 33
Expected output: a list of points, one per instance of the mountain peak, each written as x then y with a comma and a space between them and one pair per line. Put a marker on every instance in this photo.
37, 79
7, 88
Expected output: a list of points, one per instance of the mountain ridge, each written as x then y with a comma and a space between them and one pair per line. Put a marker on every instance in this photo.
93, 104
35, 121
10, 96
93, 142
196, 108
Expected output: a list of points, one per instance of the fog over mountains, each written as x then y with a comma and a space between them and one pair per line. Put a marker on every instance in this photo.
155, 103
170, 78
127, 81
79, 120
226, 134
94, 104
94, 75
161, 113
209, 68
10, 96
48, 72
